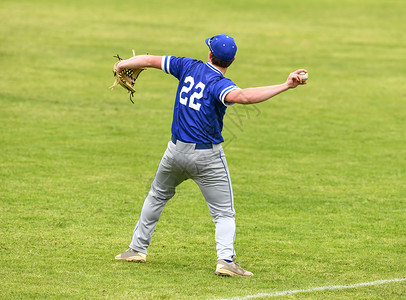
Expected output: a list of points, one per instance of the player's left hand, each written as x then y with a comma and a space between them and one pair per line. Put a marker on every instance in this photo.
126, 77
294, 79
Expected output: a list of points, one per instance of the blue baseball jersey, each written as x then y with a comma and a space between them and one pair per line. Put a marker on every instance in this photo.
199, 105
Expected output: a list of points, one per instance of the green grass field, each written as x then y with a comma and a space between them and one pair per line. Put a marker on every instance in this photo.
319, 172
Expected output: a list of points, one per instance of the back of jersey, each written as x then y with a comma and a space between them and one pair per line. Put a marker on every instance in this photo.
199, 106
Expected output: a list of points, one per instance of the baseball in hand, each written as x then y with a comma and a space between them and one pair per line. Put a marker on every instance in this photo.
304, 75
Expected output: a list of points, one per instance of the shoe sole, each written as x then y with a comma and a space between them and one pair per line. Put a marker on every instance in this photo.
133, 259
227, 273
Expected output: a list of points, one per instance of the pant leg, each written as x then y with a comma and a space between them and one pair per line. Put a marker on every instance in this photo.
215, 183
168, 176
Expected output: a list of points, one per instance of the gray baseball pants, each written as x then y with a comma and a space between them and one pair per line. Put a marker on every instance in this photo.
208, 168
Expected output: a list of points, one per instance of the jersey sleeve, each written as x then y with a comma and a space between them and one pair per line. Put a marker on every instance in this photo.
175, 65
223, 87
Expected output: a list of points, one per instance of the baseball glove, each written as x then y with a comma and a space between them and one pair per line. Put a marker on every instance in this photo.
126, 78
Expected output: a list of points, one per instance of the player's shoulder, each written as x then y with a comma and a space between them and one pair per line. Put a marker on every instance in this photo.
185, 60
222, 84
175, 64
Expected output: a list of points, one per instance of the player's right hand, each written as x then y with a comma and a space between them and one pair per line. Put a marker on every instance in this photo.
294, 79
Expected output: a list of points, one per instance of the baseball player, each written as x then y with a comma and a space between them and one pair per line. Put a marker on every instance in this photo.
195, 151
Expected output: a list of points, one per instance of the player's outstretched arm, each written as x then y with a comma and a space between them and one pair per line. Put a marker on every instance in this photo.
259, 94
140, 61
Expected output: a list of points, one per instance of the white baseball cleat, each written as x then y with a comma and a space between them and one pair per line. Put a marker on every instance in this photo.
132, 255
231, 269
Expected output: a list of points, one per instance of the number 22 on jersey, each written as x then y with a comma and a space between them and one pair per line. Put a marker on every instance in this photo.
198, 89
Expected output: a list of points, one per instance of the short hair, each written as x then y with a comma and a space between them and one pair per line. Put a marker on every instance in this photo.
221, 63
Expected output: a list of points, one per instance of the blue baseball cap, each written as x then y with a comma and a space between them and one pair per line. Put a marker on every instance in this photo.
222, 46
